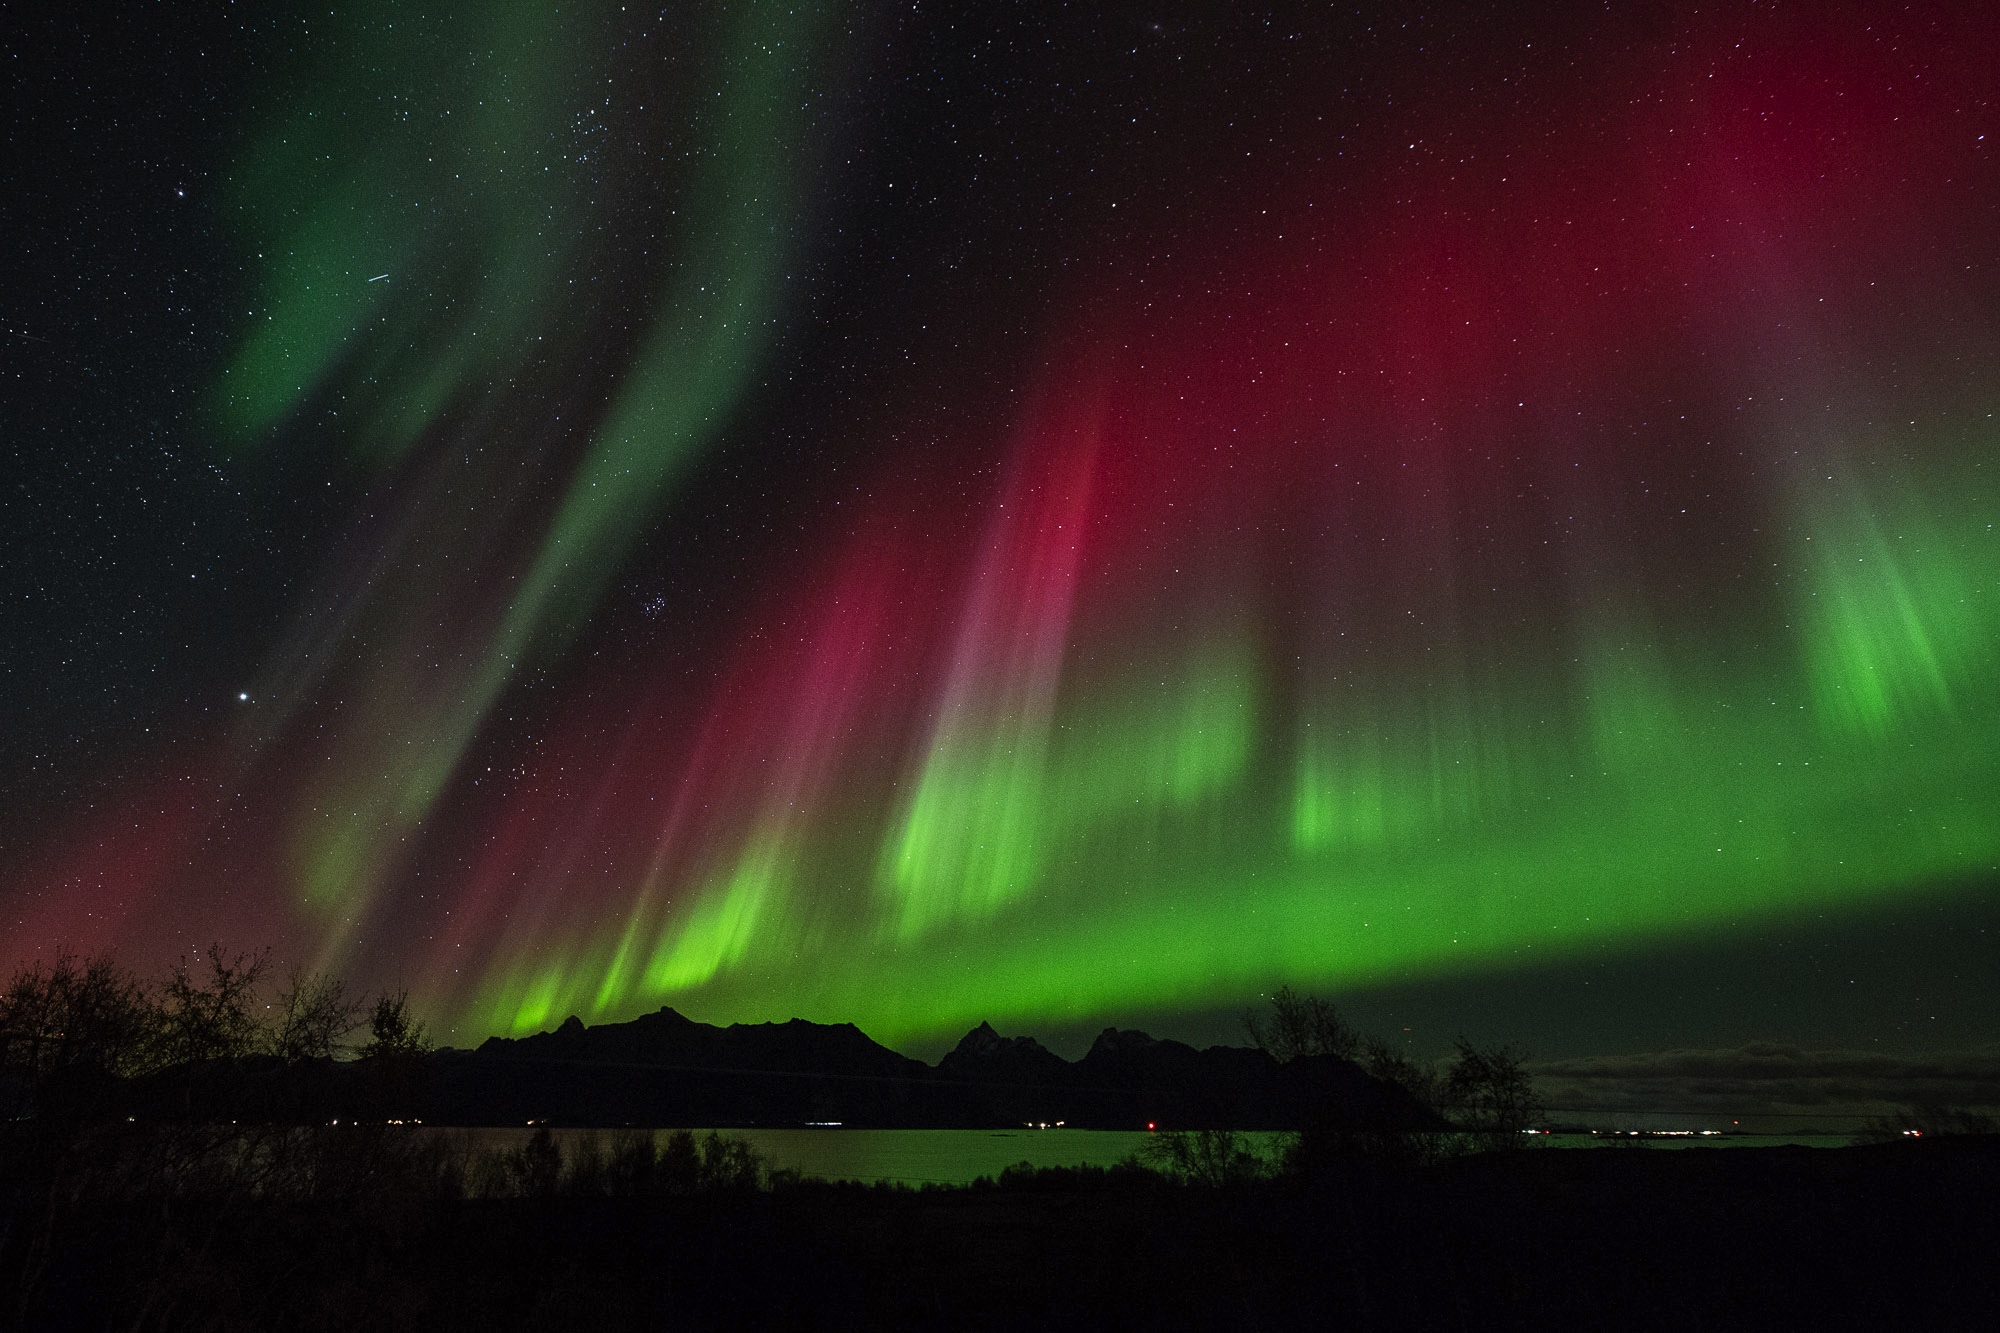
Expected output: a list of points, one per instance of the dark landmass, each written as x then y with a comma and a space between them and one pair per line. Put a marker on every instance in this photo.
1888, 1236
288, 1191
666, 1069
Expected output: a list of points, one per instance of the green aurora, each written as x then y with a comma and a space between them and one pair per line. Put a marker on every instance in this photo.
919, 550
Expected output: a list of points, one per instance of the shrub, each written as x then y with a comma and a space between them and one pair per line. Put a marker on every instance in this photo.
1209, 1157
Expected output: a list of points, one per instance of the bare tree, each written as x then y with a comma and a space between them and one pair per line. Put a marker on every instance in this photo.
72, 1014
1490, 1095
1211, 1157
1404, 1140
1395, 1066
315, 1016
393, 1030
1484, 1099
210, 1012
395, 1051
1300, 1025
69, 1031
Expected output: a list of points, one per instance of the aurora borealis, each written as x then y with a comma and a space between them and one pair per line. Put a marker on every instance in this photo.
977, 514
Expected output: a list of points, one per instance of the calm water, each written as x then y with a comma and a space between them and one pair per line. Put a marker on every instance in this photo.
957, 1156
911, 1156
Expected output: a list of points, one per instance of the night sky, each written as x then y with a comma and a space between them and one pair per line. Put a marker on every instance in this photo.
913, 515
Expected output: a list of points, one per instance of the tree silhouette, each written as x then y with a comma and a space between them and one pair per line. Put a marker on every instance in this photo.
395, 1052
1210, 1157
1300, 1025
1490, 1095
1483, 1100
315, 1015
210, 1012
394, 1031
68, 1030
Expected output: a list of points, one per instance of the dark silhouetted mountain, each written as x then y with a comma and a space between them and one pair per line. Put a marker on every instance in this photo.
1170, 1082
984, 1056
666, 1069
669, 1038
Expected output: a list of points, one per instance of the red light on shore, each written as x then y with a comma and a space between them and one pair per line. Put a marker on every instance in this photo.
1149, 1126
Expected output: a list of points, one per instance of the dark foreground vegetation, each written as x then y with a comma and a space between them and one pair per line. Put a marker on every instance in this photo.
1894, 1235
126, 1202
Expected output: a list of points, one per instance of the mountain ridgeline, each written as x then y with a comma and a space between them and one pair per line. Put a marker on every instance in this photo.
666, 1069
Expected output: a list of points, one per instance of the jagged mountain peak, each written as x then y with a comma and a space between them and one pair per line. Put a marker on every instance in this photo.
984, 1041
979, 1041
1113, 1041
664, 1069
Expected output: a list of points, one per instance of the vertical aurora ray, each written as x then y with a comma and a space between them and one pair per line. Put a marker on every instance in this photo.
453, 616
973, 836
749, 904
1340, 794
1899, 615
723, 922
710, 878
1156, 749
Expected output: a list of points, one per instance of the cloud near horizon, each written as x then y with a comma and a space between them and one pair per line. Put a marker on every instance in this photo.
1770, 1078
